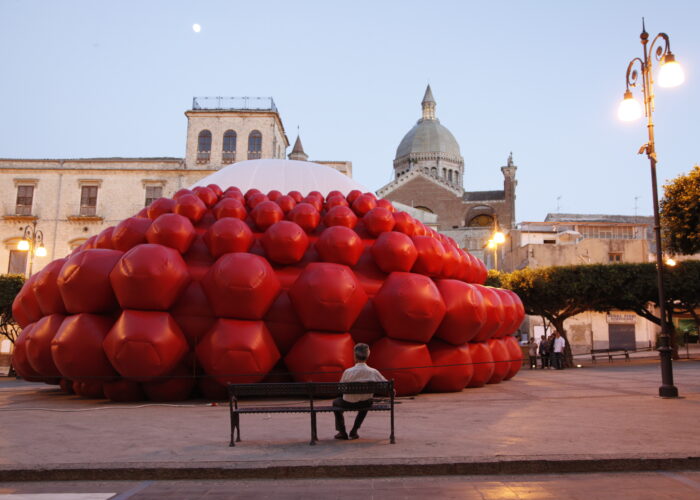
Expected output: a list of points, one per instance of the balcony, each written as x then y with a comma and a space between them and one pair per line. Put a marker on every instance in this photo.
254, 155
234, 104
228, 157
203, 156
23, 209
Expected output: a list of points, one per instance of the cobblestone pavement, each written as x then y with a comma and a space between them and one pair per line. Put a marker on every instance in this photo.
619, 486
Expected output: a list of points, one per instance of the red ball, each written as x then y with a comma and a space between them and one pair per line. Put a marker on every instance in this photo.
143, 345
306, 216
205, 194
285, 242
255, 199
176, 386
265, 214
296, 195
45, 288
394, 252
190, 206
38, 345
386, 204
336, 201
341, 245
228, 235
104, 239
353, 195
409, 307
501, 360
340, 216
515, 354
159, 207
320, 357
483, 364
20, 361
241, 286
327, 297
274, 195
453, 368
407, 363
466, 311
149, 277
25, 308
286, 203
84, 281
378, 220
363, 204
123, 391
430, 252
216, 189
230, 207
172, 230
283, 323
404, 223
129, 233
236, 351
494, 313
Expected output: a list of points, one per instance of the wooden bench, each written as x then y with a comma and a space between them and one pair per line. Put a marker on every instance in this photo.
610, 353
310, 392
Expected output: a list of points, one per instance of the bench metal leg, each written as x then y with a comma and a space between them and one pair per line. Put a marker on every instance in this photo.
314, 435
238, 428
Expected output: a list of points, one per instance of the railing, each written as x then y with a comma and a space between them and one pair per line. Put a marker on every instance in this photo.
23, 210
254, 155
228, 157
234, 103
203, 156
88, 211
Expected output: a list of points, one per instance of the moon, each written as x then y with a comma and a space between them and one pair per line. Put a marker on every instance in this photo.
196, 28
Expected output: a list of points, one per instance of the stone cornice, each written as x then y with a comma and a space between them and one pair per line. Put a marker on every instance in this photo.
429, 156
413, 174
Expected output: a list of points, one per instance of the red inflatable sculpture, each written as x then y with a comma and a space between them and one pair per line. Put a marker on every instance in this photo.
216, 286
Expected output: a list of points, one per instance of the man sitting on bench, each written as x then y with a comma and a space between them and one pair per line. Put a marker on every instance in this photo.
358, 373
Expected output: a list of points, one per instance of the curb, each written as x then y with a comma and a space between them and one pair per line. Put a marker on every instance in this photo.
231, 471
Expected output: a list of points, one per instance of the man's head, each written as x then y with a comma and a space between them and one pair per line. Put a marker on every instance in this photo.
542, 337
361, 352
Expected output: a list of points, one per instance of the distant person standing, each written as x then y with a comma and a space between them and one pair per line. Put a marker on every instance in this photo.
532, 352
558, 348
544, 352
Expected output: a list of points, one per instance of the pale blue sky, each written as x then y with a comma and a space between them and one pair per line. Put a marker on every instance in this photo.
540, 78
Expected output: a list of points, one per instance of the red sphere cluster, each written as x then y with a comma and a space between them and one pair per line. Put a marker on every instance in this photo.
214, 287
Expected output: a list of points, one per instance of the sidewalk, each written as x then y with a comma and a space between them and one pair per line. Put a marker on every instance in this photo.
602, 417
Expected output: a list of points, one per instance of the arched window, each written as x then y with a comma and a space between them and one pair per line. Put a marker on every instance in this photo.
449, 175
229, 152
482, 220
433, 172
204, 146
424, 209
254, 145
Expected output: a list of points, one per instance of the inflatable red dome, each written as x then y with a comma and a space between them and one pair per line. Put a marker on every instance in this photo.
226, 285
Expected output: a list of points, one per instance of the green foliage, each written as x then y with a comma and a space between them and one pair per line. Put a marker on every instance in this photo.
680, 214
10, 285
494, 279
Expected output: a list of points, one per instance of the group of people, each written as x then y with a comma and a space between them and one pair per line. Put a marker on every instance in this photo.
550, 350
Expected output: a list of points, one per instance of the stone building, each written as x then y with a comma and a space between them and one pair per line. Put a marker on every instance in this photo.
429, 174
69, 200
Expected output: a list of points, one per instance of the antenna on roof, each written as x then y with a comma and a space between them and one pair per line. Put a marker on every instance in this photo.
558, 199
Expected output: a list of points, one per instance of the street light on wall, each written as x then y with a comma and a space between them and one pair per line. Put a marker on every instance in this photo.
33, 242
670, 75
498, 238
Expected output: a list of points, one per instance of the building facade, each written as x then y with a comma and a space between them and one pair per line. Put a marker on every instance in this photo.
429, 175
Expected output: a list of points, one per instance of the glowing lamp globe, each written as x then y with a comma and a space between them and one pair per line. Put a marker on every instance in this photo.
629, 109
671, 73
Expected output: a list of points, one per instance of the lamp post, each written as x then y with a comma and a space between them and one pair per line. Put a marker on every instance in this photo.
670, 75
33, 242
497, 238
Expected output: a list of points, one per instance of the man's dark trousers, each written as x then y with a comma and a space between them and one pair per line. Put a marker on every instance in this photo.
346, 405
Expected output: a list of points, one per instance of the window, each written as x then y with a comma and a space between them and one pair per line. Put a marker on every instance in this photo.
433, 172
254, 145
229, 152
25, 197
481, 221
153, 193
204, 146
614, 257
88, 201
18, 262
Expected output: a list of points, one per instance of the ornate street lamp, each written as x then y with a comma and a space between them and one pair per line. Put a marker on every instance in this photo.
33, 242
670, 75
498, 238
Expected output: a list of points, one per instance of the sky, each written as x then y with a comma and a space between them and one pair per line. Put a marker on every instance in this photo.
539, 78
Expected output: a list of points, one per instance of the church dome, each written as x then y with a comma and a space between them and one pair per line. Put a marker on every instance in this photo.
428, 135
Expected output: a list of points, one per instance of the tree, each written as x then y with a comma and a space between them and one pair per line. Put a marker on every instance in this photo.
680, 214
10, 285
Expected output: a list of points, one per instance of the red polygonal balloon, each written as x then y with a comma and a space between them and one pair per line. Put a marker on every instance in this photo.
306, 216
181, 192
241, 286
409, 307
407, 363
192, 313
149, 277
205, 194
364, 204
171, 230
394, 252
123, 391
176, 386
236, 351
314, 201
216, 189
77, 351
404, 223
336, 201
494, 313
450, 261
286, 203
25, 308
143, 345
104, 239
386, 204
285, 242
274, 194
230, 207
159, 207
84, 281
328, 297
430, 252
228, 235
296, 195
465, 314
519, 309
45, 288
501, 360
340, 216
91, 389
255, 199
367, 328
320, 357
20, 362
341, 245
515, 354
129, 233
353, 195
283, 323
483, 364
190, 206
378, 220
38, 345
265, 214
212, 390
453, 368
